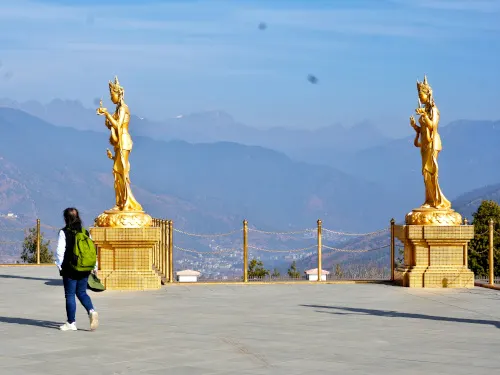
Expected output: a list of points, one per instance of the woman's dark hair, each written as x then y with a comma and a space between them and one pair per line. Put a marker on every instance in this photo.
72, 218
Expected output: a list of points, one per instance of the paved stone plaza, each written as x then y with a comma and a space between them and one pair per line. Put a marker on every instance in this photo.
249, 329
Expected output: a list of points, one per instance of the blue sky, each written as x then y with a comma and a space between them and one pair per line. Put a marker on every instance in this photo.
176, 57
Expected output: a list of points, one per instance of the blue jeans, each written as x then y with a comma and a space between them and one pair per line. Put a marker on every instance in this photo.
79, 288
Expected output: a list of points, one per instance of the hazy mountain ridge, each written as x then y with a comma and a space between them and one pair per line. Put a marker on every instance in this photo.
204, 188
361, 150
469, 160
58, 167
214, 126
198, 185
469, 202
226, 178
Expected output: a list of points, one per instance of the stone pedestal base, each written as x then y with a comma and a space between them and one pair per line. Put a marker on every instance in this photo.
126, 257
435, 256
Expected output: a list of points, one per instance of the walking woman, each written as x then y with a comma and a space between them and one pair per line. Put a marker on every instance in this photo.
75, 282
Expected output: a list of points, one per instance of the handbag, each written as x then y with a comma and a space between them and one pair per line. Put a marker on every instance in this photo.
94, 284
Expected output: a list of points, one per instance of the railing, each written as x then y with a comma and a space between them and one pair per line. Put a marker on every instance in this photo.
162, 251
491, 279
486, 280
319, 249
316, 243
249, 240
13, 240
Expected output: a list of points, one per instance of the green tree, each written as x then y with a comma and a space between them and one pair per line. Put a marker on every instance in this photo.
276, 273
256, 269
478, 247
28, 254
400, 260
292, 271
339, 272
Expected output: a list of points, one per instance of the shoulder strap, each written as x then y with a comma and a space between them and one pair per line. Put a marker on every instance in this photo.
75, 232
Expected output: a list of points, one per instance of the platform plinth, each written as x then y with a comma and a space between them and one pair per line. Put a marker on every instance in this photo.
125, 257
124, 219
435, 256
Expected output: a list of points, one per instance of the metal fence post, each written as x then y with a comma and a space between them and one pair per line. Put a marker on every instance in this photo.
466, 248
320, 266
38, 240
155, 249
155, 246
161, 259
171, 251
392, 249
158, 249
164, 238
491, 258
245, 251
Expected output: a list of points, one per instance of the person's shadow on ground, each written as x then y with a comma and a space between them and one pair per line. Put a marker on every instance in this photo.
29, 322
33, 322
338, 310
50, 282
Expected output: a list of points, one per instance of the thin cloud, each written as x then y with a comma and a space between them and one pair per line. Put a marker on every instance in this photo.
224, 19
245, 72
351, 21
33, 11
398, 22
184, 26
188, 43
483, 6
105, 11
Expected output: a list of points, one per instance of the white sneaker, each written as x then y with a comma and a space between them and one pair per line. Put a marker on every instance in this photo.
68, 327
94, 320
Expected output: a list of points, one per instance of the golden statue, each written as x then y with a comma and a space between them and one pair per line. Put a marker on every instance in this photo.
127, 211
429, 141
436, 209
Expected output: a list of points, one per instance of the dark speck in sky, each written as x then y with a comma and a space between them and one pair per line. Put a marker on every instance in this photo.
313, 79
262, 26
8, 75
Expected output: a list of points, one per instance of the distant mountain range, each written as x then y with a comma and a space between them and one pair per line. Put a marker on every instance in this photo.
360, 151
203, 186
470, 160
216, 126
212, 187
469, 202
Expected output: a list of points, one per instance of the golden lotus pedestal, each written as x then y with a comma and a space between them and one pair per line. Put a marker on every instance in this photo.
124, 219
126, 257
435, 256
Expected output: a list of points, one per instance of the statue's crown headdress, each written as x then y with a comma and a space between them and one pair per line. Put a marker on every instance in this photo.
116, 85
424, 85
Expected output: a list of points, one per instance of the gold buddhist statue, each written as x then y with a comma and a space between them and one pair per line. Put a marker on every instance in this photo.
436, 209
127, 211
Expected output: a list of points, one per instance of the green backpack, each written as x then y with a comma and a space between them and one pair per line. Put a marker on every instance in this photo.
84, 252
